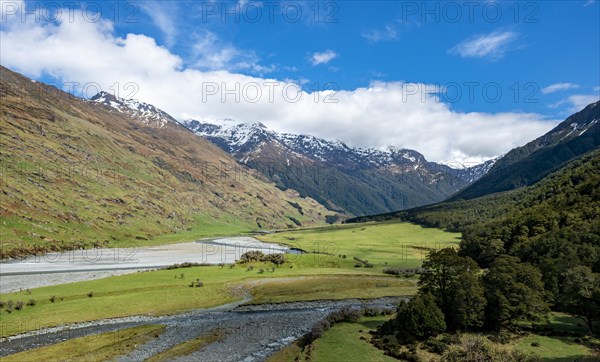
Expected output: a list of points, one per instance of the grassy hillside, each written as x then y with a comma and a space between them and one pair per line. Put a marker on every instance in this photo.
78, 174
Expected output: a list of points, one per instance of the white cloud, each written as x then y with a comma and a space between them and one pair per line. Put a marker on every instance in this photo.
210, 53
379, 115
163, 15
597, 89
494, 45
588, 3
387, 33
576, 103
559, 87
323, 58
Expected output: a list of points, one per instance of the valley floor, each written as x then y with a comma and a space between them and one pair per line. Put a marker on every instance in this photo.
257, 308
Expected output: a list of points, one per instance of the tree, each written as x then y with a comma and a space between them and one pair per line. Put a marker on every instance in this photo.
418, 319
454, 282
514, 292
581, 294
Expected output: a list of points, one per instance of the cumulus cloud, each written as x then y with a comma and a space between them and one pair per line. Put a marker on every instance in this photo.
559, 87
323, 58
494, 45
379, 115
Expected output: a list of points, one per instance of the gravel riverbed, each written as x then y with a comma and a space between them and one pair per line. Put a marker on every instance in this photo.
79, 265
249, 333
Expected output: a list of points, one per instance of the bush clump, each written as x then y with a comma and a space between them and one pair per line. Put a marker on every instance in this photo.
258, 256
404, 272
186, 265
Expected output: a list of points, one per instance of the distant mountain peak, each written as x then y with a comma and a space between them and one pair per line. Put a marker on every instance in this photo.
367, 180
146, 113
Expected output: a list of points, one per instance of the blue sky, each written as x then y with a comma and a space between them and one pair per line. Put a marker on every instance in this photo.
454, 80
548, 42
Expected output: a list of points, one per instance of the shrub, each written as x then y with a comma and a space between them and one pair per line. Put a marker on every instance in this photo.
478, 349
19, 305
434, 345
535, 344
405, 272
199, 284
362, 263
261, 270
186, 265
502, 338
52, 298
31, 302
250, 268
250, 256
2, 304
373, 312
256, 256
90, 294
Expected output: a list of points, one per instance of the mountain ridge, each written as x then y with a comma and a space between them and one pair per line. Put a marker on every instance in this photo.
384, 178
527, 164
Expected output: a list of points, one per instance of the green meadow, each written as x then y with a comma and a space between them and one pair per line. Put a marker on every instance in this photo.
383, 244
327, 271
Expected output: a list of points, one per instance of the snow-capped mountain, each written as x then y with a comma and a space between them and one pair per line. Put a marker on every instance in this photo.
245, 140
357, 180
146, 113
525, 165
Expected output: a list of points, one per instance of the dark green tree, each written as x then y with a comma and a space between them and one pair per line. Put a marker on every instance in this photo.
581, 294
514, 292
454, 282
418, 319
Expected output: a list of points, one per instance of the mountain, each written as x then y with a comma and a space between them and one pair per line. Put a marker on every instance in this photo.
146, 113
78, 173
355, 180
528, 164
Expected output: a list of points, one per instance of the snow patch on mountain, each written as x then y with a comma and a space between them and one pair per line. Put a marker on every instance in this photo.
244, 141
146, 113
